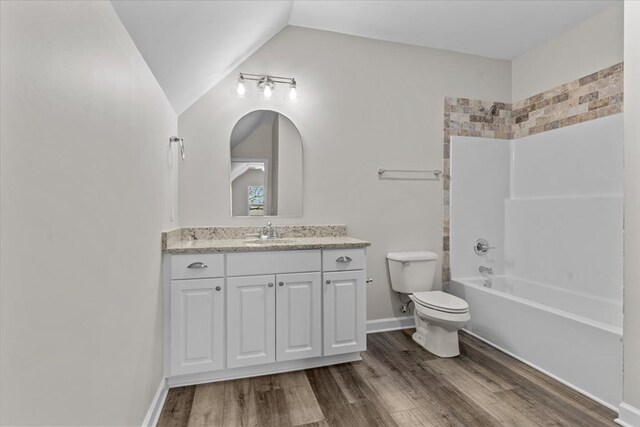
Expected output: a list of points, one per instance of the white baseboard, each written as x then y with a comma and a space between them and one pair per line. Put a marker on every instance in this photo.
628, 416
390, 324
153, 414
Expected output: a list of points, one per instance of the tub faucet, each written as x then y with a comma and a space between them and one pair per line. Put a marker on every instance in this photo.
484, 269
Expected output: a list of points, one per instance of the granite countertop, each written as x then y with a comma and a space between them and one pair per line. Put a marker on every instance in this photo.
284, 244
236, 239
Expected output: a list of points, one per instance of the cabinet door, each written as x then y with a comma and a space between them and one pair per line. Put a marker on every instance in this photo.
298, 316
197, 325
344, 312
251, 322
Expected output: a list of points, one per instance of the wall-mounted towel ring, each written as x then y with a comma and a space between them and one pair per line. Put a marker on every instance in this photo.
180, 141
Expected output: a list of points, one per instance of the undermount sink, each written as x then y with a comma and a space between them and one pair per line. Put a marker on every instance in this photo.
258, 242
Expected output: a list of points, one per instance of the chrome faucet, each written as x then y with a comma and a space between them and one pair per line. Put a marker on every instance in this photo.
488, 283
481, 247
269, 232
484, 269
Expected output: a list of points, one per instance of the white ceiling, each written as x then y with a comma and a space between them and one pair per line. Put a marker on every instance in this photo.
191, 45
493, 28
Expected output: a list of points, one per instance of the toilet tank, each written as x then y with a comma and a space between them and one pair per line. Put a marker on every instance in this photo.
412, 272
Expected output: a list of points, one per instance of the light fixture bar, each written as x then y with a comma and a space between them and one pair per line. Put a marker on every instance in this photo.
267, 85
259, 77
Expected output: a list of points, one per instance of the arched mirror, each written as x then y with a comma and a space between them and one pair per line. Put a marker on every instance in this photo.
266, 166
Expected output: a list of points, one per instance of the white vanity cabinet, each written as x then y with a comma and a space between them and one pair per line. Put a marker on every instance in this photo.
273, 306
197, 315
344, 308
345, 329
273, 318
298, 316
239, 314
251, 320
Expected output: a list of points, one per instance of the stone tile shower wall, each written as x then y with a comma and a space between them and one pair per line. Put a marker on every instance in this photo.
597, 95
467, 117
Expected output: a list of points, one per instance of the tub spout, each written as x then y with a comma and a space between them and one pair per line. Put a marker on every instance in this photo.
484, 269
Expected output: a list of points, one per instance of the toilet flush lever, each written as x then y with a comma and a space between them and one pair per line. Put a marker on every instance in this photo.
481, 247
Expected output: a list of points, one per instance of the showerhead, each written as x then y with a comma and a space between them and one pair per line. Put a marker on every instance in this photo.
489, 112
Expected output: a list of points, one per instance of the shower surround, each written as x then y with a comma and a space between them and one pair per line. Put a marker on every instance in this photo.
551, 203
542, 182
597, 95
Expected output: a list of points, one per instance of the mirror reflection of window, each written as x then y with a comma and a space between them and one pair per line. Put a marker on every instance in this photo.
256, 200
266, 166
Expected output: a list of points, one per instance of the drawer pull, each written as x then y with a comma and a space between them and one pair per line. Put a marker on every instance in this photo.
218, 288
328, 282
197, 265
270, 285
369, 280
281, 284
344, 259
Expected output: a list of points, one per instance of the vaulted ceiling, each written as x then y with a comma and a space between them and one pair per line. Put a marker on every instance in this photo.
191, 45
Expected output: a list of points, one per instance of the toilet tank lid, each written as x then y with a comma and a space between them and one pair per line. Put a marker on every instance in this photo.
412, 256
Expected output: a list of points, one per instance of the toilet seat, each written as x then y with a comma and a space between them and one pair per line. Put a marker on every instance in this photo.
441, 301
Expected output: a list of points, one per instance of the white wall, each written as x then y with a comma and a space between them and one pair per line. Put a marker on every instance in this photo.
85, 192
632, 206
588, 47
480, 169
367, 104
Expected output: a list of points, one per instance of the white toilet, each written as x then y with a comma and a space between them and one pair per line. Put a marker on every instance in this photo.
438, 315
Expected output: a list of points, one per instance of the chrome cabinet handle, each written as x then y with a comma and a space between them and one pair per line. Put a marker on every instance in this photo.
369, 280
281, 284
344, 259
218, 288
270, 285
328, 282
197, 265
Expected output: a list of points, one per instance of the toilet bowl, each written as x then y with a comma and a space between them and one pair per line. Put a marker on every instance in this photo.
438, 315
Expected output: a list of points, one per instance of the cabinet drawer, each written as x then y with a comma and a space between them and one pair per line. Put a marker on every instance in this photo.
344, 259
253, 263
197, 266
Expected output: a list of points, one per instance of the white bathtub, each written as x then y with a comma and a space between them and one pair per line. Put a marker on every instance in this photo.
573, 337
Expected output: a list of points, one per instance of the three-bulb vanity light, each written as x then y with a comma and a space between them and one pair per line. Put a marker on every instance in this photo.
267, 86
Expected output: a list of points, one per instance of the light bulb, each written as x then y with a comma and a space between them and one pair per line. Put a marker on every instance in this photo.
241, 89
293, 93
267, 91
